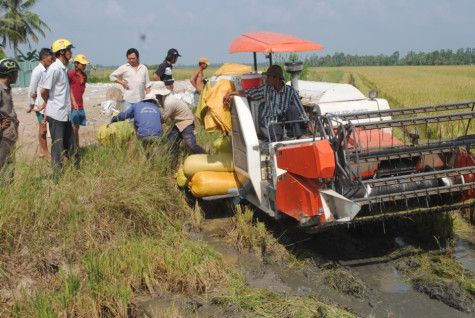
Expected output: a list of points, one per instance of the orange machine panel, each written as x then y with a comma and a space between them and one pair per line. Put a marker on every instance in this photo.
310, 160
375, 139
298, 197
464, 159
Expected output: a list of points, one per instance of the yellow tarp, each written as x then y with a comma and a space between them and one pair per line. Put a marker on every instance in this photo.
218, 115
233, 69
202, 107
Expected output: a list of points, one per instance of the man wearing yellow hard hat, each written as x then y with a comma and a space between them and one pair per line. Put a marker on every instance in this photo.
56, 93
77, 81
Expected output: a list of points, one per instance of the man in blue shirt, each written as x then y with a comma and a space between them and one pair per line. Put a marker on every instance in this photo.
147, 119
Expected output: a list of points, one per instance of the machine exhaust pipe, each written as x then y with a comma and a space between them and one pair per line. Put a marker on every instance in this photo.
294, 68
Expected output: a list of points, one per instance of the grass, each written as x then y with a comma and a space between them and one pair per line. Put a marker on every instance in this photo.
106, 235
441, 277
344, 281
406, 86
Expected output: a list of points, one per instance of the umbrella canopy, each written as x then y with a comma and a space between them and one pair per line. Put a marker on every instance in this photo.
271, 42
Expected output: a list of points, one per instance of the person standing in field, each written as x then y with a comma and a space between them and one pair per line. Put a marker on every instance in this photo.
183, 124
133, 77
164, 71
56, 94
8, 118
198, 80
37, 103
77, 82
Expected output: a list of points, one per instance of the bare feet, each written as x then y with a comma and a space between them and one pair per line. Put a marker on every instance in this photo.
43, 156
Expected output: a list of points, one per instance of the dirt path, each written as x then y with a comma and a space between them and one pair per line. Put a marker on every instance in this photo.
94, 95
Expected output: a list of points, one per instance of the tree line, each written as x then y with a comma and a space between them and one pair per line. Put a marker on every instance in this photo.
442, 57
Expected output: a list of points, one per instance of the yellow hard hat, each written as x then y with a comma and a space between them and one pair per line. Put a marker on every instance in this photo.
81, 58
61, 44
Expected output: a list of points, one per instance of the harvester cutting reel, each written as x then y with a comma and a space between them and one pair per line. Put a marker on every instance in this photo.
396, 163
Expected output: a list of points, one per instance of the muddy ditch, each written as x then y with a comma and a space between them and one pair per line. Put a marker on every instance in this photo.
373, 271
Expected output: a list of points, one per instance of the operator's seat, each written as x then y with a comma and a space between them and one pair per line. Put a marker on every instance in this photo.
261, 130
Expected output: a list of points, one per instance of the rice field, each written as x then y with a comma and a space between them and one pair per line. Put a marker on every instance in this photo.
406, 86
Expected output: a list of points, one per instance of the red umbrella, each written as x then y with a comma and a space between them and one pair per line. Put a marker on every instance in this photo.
271, 42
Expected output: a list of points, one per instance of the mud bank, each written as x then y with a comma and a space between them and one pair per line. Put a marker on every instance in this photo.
365, 274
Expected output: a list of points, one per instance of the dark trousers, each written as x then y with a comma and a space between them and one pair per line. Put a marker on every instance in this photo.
62, 143
6, 159
276, 130
188, 135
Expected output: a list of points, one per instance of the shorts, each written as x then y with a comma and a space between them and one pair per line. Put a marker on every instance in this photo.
40, 116
196, 98
78, 117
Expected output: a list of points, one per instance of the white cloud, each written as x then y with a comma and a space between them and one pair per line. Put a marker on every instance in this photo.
114, 9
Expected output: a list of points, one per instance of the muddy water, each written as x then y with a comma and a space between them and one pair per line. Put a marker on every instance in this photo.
392, 297
368, 258
464, 253
388, 293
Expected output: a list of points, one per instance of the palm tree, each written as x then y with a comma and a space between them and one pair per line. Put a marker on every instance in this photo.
19, 24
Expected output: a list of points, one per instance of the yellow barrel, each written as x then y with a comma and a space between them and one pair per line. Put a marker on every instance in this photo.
209, 183
201, 162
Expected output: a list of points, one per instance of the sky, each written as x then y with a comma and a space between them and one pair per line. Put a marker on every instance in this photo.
103, 30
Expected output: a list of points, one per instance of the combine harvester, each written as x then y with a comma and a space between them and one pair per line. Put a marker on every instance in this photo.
362, 162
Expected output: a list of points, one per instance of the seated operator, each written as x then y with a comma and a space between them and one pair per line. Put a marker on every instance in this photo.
281, 103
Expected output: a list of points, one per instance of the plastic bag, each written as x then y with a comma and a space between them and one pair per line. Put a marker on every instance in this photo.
187, 97
181, 180
223, 143
109, 106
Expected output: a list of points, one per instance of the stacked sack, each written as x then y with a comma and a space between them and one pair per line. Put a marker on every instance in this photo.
209, 175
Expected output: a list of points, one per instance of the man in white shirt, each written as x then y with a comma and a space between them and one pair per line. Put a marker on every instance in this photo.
56, 93
36, 102
133, 77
